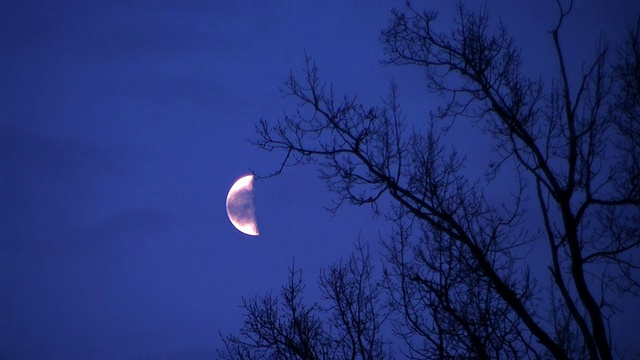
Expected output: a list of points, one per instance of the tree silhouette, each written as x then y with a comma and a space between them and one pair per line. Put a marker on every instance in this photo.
280, 327
458, 272
348, 327
355, 308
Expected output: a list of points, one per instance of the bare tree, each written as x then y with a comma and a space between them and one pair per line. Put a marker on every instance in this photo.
449, 309
355, 307
466, 289
347, 326
279, 327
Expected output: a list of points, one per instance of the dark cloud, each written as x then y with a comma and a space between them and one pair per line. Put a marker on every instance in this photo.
137, 38
53, 185
47, 180
62, 247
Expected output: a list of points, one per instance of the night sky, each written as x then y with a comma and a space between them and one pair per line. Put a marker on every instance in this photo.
124, 124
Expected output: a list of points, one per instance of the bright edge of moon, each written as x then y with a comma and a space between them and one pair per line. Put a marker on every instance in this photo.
240, 208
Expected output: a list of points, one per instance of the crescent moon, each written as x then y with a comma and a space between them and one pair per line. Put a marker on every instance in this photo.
240, 209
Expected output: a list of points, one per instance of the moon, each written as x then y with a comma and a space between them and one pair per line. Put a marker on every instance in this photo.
240, 209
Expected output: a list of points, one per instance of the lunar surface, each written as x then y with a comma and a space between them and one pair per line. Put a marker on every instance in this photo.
240, 208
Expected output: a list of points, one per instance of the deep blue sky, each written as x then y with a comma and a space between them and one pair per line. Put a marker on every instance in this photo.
123, 124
